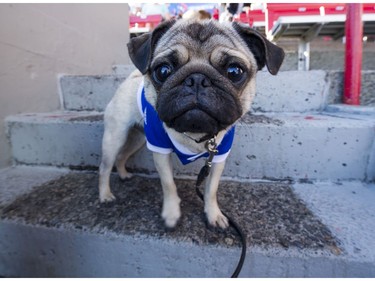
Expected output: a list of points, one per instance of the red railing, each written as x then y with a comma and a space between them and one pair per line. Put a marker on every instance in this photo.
251, 17
151, 20
353, 54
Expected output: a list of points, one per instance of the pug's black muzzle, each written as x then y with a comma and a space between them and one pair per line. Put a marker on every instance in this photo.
198, 105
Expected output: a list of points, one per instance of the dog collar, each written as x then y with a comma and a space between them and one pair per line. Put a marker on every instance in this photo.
202, 139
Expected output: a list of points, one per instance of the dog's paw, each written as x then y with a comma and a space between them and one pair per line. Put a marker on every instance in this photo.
171, 212
107, 197
216, 218
124, 174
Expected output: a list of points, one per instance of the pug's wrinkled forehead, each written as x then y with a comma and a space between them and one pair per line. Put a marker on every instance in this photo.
187, 41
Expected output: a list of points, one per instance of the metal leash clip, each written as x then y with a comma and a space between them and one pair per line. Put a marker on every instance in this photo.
211, 149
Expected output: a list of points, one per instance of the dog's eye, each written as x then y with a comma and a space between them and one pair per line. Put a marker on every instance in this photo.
235, 72
162, 72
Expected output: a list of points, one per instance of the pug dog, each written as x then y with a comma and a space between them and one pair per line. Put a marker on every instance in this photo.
194, 80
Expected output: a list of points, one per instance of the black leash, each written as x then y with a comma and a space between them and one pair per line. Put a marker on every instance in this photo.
204, 172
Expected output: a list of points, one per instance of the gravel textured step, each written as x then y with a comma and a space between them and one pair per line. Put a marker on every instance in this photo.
274, 93
269, 146
55, 227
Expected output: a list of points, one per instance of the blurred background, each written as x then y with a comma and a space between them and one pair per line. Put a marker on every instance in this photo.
321, 25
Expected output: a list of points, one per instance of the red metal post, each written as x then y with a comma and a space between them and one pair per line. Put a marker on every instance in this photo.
353, 54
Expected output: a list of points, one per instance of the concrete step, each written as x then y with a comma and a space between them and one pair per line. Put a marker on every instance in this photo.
336, 89
269, 146
52, 225
289, 91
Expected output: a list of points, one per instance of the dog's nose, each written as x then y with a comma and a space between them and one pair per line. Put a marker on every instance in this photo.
197, 80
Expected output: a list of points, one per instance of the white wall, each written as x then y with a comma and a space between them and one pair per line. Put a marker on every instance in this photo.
40, 41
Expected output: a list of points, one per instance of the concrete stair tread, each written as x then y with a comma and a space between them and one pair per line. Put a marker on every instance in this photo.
324, 119
59, 116
72, 201
271, 145
306, 119
356, 112
66, 229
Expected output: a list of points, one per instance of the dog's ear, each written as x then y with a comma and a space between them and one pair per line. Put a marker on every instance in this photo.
141, 48
265, 52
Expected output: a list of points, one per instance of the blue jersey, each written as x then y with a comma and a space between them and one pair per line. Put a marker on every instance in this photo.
158, 140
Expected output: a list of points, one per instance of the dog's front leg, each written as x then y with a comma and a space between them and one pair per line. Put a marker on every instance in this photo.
214, 216
171, 202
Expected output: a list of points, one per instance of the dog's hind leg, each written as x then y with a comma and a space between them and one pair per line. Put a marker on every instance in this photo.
113, 141
135, 141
